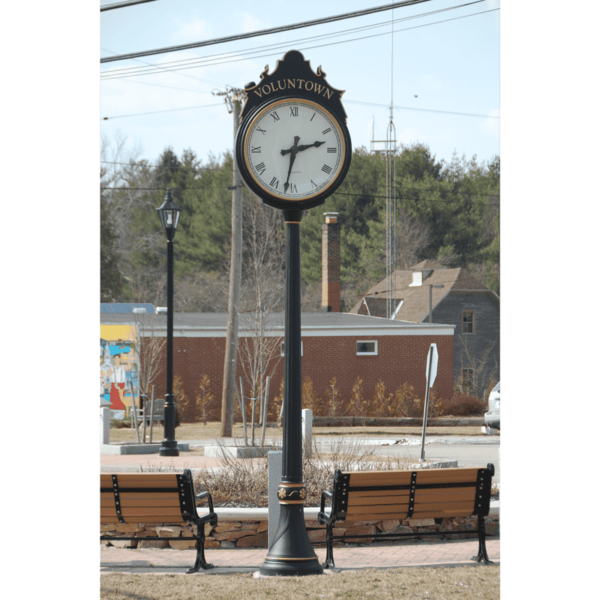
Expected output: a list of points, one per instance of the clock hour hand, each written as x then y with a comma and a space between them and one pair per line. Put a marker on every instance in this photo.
304, 147
293, 149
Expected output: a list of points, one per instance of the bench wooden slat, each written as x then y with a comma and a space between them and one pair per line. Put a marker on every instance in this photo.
141, 502
382, 510
376, 500
425, 497
157, 495
379, 493
166, 512
168, 486
149, 520
444, 506
450, 475
365, 478
376, 516
442, 514
149, 478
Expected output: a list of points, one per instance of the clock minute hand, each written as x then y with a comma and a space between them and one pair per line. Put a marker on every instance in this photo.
304, 147
293, 151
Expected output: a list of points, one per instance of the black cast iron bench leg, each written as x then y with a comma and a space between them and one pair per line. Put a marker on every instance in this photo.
200, 559
482, 554
329, 564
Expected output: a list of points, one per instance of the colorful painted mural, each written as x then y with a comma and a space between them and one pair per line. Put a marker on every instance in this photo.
119, 367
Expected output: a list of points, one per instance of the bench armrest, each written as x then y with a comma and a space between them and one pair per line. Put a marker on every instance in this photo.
323, 518
203, 495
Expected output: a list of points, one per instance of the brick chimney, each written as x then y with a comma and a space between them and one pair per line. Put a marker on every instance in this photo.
330, 277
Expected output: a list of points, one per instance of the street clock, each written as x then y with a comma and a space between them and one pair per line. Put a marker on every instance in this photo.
293, 148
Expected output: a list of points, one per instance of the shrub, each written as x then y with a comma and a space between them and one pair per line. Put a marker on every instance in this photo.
464, 405
332, 399
382, 404
406, 403
310, 400
358, 405
204, 397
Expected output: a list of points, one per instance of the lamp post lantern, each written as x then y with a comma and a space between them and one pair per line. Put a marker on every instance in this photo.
169, 217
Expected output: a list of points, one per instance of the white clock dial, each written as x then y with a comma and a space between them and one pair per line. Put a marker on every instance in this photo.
294, 149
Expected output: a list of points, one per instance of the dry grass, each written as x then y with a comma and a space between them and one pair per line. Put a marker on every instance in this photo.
212, 430
467, 583
244, 482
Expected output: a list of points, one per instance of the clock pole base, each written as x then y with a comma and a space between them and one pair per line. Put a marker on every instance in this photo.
291, 553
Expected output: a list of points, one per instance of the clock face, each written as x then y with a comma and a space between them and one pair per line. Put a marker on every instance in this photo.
294, 149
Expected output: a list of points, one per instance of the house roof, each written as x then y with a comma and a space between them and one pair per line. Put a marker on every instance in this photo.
415, 299
312, 324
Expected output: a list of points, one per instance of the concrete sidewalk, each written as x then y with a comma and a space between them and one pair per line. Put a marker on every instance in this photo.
450, 553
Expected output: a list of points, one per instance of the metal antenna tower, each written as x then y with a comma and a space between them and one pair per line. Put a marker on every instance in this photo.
389, 151
390, 198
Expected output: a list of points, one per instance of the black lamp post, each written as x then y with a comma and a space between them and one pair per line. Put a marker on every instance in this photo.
169, 217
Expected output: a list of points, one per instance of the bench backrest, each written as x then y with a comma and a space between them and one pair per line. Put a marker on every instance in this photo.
422, 494
147, 498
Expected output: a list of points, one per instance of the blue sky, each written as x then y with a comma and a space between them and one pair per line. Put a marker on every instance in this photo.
452, 66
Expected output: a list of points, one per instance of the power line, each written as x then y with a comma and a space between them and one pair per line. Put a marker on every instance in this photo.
160, 111
207, 63
123, 4
159, 69
279, 45
335, 193
231, 38
446, 112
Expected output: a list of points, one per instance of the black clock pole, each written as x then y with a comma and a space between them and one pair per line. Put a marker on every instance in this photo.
292, 552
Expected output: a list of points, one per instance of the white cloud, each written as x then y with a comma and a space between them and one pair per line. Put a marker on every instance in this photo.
250, 23
491, 126
194, 30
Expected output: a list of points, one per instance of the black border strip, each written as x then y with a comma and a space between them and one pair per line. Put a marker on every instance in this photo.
409, 486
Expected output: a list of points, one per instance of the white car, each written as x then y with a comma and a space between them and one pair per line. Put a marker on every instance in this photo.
492, 417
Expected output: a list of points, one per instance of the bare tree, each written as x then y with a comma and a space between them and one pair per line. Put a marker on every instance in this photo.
151, 352
412, 237
263, 289
478, 370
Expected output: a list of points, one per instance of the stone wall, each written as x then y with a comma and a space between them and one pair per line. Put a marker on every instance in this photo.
254, 534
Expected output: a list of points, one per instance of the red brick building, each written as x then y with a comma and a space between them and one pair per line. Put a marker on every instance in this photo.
340, 345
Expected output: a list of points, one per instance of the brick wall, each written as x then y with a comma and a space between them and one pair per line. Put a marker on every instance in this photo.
400, 359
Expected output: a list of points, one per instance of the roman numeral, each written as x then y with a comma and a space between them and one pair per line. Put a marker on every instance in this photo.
331, 150
294, 110
275, 115
274, 182
261, 168
313, 183
327, 130
326, 168
263, 131
313, 116
293, 188
256, 149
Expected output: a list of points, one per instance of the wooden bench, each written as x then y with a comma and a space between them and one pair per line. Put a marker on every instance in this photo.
424, 494
160, 498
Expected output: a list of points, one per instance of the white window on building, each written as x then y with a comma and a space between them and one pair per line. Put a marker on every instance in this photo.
366, 348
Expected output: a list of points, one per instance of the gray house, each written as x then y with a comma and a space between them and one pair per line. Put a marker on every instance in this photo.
457, 298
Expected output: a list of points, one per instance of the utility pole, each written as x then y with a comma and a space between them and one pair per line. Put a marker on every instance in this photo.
233, 100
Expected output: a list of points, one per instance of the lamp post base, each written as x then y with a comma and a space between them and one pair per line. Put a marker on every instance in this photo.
291, 553
169, 449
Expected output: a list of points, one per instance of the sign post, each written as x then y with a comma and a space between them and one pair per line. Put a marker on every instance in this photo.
432, 363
